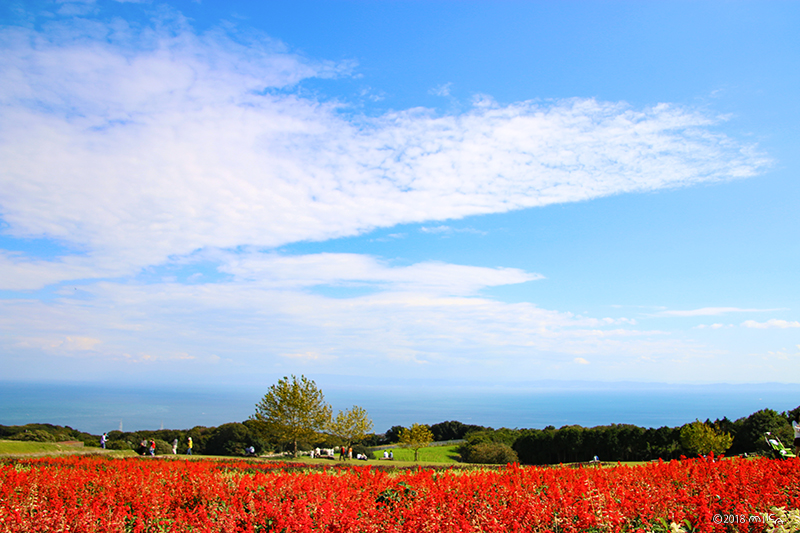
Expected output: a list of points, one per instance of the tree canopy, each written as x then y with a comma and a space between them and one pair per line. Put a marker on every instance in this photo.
293, 409
418, 436
702, 439
351, 425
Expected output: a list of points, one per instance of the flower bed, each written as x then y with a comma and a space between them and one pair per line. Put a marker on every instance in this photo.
89, 494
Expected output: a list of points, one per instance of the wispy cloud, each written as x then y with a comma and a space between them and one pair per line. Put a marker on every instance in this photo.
449, 230
138, 146
442, 90
259, 328
709, 311
278, 271
772, 323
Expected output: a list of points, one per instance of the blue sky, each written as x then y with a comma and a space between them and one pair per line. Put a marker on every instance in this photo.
492, 193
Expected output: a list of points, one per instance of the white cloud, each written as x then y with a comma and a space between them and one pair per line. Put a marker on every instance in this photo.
266, 316
709, 311
448, 230
138, 146
772, 323
581, 361
279, 271
18, 272
436, 229
78, 343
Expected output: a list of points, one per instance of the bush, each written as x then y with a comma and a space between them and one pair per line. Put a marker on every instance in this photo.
488, 453
94, 442
361, 449
118, 445
232, 439
35, 435
163, 447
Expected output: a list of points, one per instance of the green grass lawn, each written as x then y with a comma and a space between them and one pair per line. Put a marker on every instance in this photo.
433, 454
15, 447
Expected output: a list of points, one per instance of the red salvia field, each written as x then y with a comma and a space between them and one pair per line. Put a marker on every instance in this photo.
90, 494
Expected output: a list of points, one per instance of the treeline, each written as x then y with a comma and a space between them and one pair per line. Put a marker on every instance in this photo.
616, 442
478, 444
228, 439
47, 433
231, 439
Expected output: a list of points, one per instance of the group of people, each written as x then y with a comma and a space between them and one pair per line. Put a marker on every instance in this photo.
328, 453
149, 447
146, 448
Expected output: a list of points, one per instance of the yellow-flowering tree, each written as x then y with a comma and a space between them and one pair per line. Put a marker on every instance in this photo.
293, 409
418, 436
351, 425
701, 438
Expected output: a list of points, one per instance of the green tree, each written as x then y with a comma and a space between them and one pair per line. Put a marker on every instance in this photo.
418, 436
293, 409
453, 430
700, 438
351, 426
749, 435
393, 434
232, 439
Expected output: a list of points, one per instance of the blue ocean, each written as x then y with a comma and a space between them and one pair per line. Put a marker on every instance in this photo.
96, 409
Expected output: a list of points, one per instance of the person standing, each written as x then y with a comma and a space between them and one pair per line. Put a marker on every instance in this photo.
152, 448
103, 440
174, 446
796, 428
189, 449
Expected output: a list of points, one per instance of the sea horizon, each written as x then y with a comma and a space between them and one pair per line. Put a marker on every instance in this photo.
97, 408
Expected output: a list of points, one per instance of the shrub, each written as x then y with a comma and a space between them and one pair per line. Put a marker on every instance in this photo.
361, 449
35, 435
489, 453
232, 439
163, 447
118, 445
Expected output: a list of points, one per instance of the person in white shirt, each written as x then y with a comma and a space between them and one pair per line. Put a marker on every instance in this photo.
796, 428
